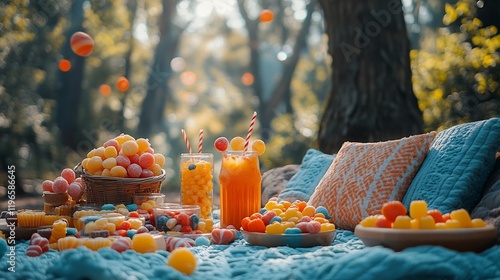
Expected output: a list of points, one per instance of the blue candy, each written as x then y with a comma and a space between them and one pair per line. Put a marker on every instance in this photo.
275, 219
194, 220
71, 231
131, 207
322, 210
108, 207
263, 210
161, 223
131, 233
293, 231
202, 241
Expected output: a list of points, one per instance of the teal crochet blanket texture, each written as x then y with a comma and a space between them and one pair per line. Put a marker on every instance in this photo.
345, 258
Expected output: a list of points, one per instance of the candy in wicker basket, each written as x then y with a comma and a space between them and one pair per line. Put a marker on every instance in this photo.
102, 189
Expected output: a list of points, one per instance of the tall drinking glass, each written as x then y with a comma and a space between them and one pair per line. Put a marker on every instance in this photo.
197, 171
240, 187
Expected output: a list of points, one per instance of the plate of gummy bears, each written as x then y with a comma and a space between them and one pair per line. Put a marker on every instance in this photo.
397, 229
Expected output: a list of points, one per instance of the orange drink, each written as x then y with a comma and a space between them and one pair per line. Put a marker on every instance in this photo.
197, 171
240, 187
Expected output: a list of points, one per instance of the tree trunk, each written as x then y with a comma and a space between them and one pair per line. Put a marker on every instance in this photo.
158, 92
371, 98
70, 91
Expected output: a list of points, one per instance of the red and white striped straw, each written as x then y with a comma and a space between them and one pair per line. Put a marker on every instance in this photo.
200, 141
249, 133
183, 132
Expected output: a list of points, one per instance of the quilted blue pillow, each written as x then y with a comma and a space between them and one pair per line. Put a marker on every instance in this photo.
301, 186
457, 166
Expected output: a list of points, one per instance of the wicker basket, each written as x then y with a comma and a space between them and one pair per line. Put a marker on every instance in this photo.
103, 190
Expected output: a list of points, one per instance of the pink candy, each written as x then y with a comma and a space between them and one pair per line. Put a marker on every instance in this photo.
42, 242
75, 190
34, 251
223, 236
309, 227
60, 185
266, 218
121, 244
177, 242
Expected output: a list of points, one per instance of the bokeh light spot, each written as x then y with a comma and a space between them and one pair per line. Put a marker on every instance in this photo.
105, 90
266, 16
247, 79
64, 65
188, 78
123, 84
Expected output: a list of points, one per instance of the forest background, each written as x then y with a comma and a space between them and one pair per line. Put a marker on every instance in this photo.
208, 65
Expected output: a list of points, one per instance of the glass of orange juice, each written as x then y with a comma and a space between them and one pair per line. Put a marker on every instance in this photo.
240, 187
197, 171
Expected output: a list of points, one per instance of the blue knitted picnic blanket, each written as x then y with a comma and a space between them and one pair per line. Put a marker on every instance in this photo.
345, 258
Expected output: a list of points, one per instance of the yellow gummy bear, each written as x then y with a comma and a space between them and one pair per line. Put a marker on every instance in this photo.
327, 227
418, 209
275, 228
427, 222
462, 216
402, 222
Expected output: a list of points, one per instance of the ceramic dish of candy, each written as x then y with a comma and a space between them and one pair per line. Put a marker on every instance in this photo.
299, 240
460, 239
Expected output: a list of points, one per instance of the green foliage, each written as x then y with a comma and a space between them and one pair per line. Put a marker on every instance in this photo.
456, 77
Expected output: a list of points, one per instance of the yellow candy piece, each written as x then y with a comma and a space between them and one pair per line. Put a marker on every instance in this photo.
309, 211
452, 224
270, 205
286, 204
327, 227
427, 222
259, 146
440, 226
402, 222
369, 221
321, 220
478, 223
237, 143
59, 225
135, 223
101, 223
111, 227
275, 228
90, 227
418, 209
209, 225
97, 243
286, 225
144, 243
202, 226
183, 260
320, 215
146, 206
278, 211
414, 224
294, 220
462, 216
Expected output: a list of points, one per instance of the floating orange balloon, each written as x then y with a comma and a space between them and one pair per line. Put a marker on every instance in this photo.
64, 65
266, 16
105, 90
122, 84
247, 79
81, 43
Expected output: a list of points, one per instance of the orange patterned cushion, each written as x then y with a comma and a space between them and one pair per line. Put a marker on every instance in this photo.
364, 176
